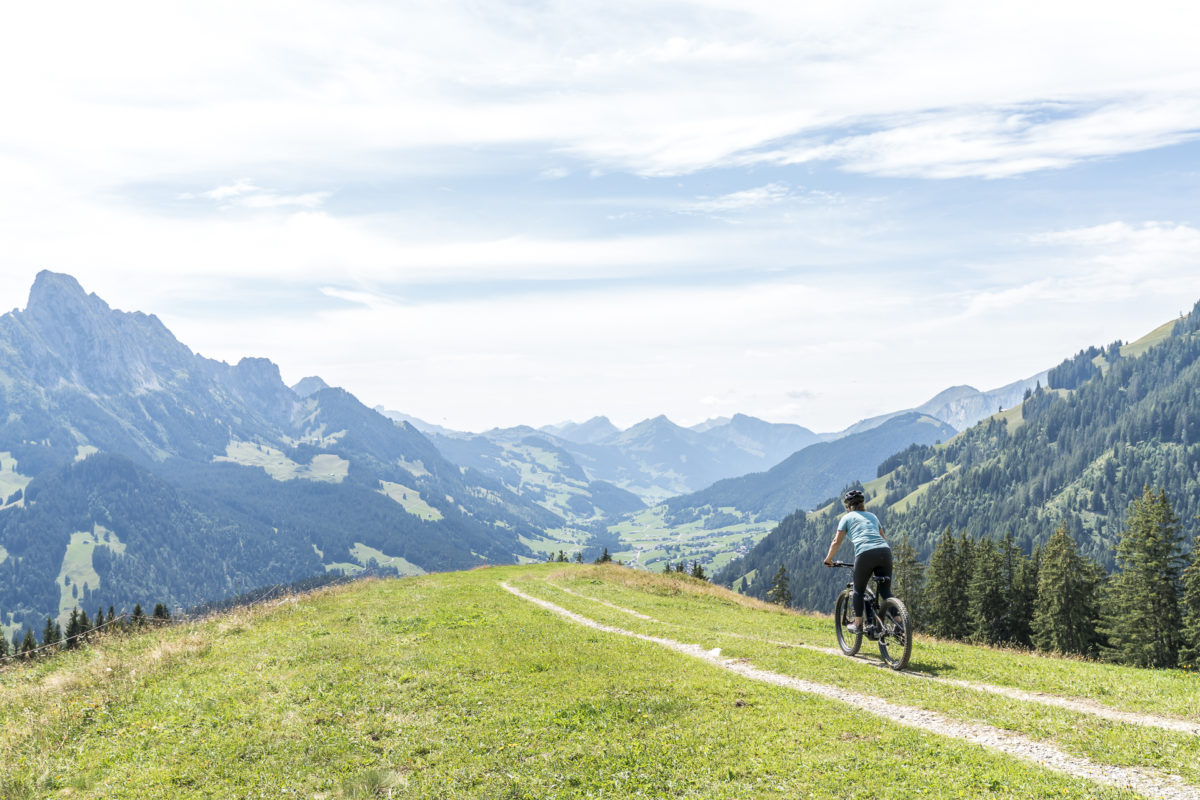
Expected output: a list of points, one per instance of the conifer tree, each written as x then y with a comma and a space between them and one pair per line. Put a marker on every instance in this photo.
949, 578
73, 629
667, 569
3, 646
139, 616
745, 587
161, 612
987, 603
965, 562
1020, 578
779, 593
85, 624
939, 587
1064, 620
908, 580
1142, 609
698, 571
1189, 654
28, 644
52, 633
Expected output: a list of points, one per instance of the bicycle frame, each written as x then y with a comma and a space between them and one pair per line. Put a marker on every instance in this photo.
870, 608
893, 634
870, 596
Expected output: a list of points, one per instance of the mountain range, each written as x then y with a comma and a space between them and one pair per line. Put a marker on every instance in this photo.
815, 473
657, 459
1108, 423
134, 470
658, 491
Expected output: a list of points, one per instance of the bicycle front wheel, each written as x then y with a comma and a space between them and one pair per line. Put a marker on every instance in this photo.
843, 615
895, 640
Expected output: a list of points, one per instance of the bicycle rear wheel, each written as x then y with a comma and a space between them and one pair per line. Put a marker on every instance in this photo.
895, 640
843, 615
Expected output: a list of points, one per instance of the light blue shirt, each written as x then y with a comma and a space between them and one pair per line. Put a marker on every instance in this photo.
863, 530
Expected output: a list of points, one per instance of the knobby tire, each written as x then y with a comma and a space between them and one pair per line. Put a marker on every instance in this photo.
843, 615
895, 645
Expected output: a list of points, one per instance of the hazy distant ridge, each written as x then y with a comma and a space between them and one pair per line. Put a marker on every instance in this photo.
133, 470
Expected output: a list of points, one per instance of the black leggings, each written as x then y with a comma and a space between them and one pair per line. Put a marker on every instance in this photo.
877, 562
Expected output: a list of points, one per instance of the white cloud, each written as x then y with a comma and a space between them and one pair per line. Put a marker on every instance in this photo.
272, 200
119, 247
237, 189
191, 95
1119, 263
1001, 143
689, 86
771, 194
245, 194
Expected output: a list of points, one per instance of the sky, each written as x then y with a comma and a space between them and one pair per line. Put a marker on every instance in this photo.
520, 212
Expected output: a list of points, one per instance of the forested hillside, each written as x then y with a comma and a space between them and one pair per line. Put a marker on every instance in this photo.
813, 474
134, 470
532, 465
1077, 452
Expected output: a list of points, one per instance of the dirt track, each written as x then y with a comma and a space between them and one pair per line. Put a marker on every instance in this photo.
1076, 704
1146, 782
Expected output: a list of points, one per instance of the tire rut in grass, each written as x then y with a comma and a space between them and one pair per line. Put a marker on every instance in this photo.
1150, 783
1077, 704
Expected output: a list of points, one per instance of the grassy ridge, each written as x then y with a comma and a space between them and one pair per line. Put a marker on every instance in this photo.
715, 618
448, 686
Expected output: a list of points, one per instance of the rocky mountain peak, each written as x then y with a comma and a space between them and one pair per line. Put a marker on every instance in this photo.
310, 385
259, 370
66, 335
55, 296
594, 431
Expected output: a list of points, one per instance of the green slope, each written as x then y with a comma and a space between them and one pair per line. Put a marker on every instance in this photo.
724, 521
451, 686
1111, 422
213, 476
817, 472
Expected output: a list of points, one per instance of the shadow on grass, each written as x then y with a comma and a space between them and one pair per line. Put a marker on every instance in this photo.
931, 668
916, 666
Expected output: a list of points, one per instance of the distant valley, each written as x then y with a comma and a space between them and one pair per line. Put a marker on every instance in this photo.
658, 492
134, 470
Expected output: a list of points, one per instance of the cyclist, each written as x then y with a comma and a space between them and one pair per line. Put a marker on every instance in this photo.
872, 553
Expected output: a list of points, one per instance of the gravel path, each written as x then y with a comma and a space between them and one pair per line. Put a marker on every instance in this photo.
1146, 782
622, 609
1077, 704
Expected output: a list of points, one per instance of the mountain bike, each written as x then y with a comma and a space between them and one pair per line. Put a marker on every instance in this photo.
889, 624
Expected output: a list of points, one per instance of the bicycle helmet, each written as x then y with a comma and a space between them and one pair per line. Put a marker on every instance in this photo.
853, 497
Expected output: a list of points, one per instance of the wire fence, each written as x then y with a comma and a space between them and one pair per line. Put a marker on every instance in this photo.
65, 642
131, 622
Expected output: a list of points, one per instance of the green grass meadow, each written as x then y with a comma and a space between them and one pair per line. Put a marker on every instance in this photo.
449, 686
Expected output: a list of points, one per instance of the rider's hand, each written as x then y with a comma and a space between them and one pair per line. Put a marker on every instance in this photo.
829, 562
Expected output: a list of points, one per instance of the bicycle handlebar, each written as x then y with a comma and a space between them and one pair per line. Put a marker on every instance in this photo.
841, 564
